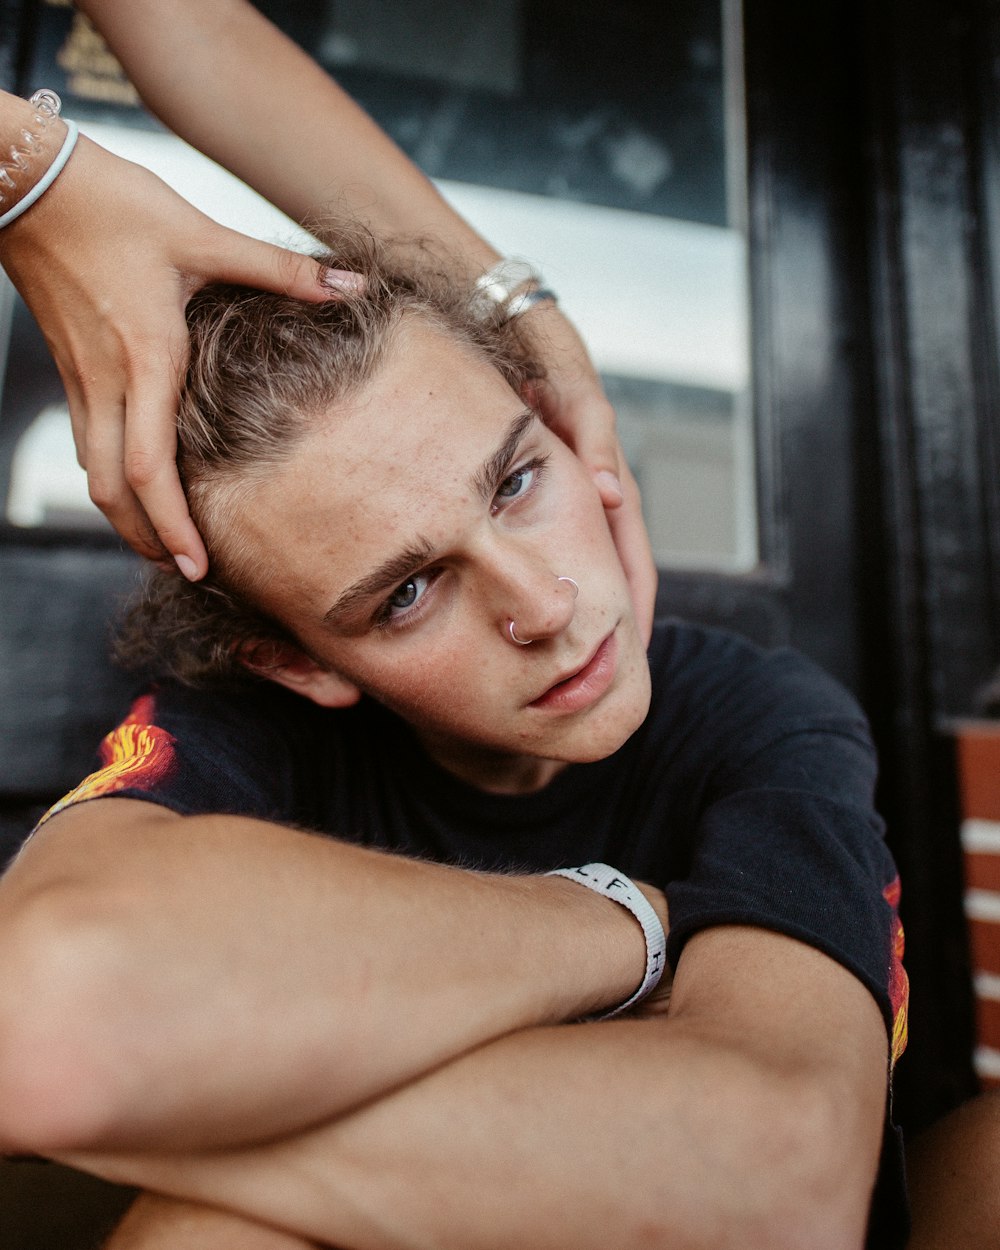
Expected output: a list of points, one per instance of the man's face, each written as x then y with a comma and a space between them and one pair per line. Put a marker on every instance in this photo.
403, 536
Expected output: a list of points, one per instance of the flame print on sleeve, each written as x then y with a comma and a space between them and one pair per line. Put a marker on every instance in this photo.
899, 982
137, 753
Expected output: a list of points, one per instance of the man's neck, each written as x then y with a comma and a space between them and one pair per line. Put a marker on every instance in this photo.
492, 771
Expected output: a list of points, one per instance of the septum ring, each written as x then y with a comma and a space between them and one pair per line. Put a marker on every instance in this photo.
526, 642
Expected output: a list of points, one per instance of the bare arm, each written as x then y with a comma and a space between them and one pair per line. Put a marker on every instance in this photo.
749, 1117
302, 142
107, 260
201, 981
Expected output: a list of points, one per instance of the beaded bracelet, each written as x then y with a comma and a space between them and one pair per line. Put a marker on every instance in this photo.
47, 105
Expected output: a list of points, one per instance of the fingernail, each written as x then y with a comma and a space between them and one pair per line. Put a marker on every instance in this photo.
343, 281
608, 484
187, 566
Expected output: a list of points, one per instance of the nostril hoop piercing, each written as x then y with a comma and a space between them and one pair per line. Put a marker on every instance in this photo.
526, 642
575, 585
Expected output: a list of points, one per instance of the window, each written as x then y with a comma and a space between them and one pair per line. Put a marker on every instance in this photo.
601, 141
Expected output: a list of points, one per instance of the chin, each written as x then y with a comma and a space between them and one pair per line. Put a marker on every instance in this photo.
609, 730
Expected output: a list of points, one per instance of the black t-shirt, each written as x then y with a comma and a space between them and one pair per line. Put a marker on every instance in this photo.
747, 795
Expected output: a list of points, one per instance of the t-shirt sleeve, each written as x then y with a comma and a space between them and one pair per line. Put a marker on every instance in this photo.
787, 835
194, 754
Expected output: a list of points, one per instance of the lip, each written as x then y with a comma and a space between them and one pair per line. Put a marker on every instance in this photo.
586, 685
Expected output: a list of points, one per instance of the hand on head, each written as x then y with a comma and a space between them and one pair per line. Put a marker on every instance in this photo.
574, 405
107, 260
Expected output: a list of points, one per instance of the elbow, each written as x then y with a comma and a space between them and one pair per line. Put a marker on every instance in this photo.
769, 1167
817, 1190
61, 1006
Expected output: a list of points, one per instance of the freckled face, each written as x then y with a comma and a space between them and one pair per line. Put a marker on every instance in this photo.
404, 535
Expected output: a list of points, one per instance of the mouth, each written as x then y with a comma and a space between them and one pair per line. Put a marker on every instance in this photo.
585, 685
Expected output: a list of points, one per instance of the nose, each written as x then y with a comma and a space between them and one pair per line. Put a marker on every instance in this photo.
529, 599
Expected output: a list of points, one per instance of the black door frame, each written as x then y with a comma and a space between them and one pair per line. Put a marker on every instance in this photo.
873, 156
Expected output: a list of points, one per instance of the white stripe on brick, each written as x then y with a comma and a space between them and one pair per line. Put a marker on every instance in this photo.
981, 836
987, 1061
987, 986
982, 905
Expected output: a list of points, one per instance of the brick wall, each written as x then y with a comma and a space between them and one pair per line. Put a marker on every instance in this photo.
979, 772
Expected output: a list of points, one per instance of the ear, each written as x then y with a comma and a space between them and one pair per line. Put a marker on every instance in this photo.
290, 667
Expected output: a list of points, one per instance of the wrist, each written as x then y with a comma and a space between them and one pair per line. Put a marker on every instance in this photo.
36, 144
611, 884
612, 958
511, 287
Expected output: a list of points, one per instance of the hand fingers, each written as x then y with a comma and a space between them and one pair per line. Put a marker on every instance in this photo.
97, 416
587, 424
632, 542
103, 456
610, 488
589, 428
127, 443
250, 262
77, 414
149, 456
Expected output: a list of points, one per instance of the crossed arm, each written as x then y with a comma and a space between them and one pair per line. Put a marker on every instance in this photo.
371, 1052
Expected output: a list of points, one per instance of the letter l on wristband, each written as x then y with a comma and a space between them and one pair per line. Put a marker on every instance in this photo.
603, 879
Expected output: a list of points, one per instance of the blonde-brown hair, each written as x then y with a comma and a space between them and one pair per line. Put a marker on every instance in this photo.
263, 368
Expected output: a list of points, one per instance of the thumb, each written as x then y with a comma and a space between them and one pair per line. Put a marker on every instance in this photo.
590, 430
266, 267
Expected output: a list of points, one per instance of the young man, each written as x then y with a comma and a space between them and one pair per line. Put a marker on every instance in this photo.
392, 1035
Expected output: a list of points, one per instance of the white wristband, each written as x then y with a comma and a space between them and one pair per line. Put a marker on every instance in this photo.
603, 879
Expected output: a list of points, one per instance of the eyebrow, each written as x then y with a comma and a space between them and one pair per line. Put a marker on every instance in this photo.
485, 481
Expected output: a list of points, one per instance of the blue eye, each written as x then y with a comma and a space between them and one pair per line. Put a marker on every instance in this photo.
406, 603
516, 484
406, 595
522, 481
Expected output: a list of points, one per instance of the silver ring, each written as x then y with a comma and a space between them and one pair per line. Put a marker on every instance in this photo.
574, 584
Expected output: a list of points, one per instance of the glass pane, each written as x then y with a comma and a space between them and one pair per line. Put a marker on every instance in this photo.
601, 141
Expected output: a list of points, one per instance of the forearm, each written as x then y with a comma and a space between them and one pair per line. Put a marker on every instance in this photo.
217, 980
525, 1142
626, 1134
749, 1117
303, 143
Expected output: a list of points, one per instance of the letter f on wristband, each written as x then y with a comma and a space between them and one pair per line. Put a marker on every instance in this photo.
609, 882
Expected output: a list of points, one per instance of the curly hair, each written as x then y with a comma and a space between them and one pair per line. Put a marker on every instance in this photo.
263, 369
